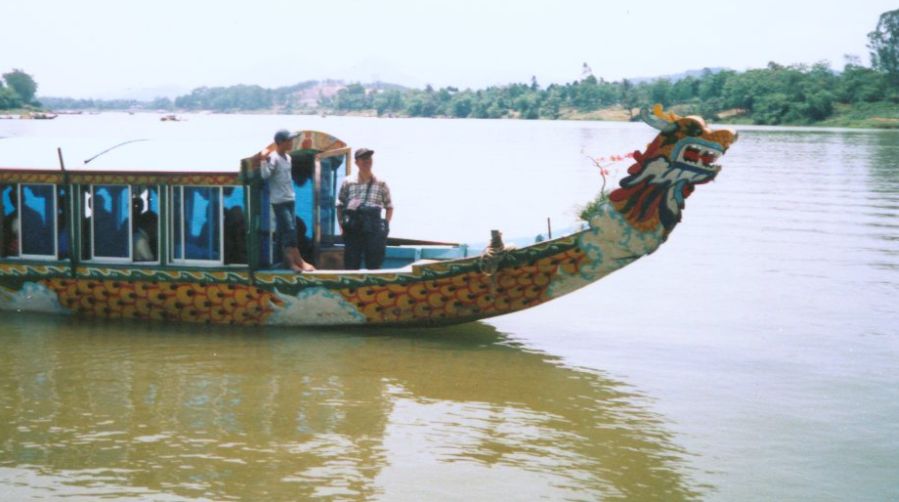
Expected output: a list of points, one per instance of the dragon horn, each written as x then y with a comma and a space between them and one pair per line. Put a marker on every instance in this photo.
655, 119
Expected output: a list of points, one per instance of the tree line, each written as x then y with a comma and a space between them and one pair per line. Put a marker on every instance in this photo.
777, 94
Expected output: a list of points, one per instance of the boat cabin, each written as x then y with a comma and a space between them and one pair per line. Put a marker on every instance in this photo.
173, 203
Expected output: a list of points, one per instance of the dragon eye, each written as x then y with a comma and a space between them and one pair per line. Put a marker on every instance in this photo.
694, 129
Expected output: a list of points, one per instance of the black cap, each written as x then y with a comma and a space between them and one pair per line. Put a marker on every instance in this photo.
282, 136
363, 152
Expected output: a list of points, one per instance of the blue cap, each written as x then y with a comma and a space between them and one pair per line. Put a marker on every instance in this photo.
282, 136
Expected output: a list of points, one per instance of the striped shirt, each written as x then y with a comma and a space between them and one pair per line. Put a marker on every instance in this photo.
352, 193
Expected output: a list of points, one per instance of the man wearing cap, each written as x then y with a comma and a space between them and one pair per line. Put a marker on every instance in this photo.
359, 206
275, 168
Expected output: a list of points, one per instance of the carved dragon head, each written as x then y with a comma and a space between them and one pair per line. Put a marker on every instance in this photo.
681, 156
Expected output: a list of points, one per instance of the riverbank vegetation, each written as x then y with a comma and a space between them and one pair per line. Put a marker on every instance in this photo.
798, 94
774, 95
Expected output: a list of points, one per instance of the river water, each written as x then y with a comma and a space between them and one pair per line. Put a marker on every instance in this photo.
755, 356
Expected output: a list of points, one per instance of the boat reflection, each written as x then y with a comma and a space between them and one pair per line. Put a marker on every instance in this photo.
392, 414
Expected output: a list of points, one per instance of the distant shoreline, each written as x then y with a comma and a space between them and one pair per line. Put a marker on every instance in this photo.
844, 116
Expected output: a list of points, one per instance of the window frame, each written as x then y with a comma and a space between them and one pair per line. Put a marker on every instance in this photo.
245, 207
159, 244
110, 259
333, 226
43, 257
170, 231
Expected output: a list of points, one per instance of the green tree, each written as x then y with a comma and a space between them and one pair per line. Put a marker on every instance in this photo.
9, 98
22, 84
659, 90
390, 100
462, 106
550, 109
859, 84
738, 91
684, 89
712, 83
771, 109
820, 105
161, 103
352, 98
884, 45
421, 104
629, 97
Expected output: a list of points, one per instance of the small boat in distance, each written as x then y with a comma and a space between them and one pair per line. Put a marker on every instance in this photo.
170, 118
188, 239
37, 116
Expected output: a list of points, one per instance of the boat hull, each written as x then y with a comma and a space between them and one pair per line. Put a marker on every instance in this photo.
443, 292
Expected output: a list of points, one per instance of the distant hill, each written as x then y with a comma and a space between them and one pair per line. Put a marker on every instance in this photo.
308, 93
148, 93
674, 77
302, 95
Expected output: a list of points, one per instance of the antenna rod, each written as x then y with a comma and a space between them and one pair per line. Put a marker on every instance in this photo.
113, 148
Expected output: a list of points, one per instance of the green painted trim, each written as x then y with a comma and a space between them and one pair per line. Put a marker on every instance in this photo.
9, 176
163, 237
74, 252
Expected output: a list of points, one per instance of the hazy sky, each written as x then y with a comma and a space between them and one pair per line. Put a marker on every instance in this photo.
96, 48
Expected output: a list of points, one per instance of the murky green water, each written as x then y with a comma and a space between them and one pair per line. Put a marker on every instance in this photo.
128, 411
753, 357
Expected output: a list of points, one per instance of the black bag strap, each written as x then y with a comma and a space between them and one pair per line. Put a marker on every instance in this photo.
367, 191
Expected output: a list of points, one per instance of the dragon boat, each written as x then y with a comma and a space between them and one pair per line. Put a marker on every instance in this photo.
120, 236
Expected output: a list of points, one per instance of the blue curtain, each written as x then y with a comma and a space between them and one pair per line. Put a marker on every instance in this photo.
112, 224
202, 225
38, 221
235, 225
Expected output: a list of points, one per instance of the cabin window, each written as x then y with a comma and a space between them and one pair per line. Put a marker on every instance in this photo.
109, 208
196, 223
145, 229
86, 222
333, 172
235, 218
37, 207
9, 204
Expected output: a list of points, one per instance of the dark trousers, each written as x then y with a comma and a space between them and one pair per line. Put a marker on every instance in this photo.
369, 246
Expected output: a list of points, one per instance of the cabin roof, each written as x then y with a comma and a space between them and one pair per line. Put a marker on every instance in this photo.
194, 156
127, 154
